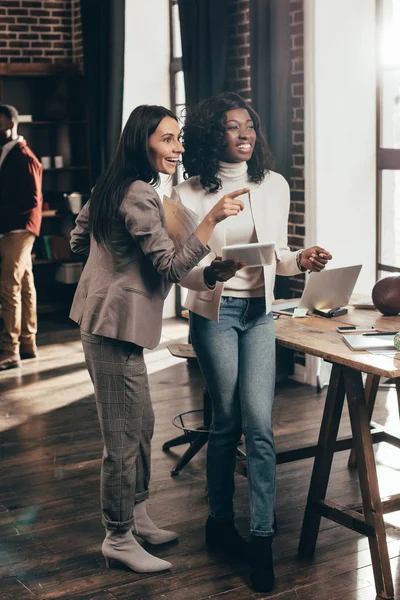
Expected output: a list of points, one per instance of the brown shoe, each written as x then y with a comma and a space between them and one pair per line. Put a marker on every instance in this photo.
9, 360
28, 352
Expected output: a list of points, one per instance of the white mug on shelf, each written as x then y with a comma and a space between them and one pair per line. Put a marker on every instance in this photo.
75, 202
58, 162
46, 162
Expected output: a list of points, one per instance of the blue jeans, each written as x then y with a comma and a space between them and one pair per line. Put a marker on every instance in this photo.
237, 360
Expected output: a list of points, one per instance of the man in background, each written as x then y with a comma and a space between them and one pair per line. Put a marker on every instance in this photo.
20, 220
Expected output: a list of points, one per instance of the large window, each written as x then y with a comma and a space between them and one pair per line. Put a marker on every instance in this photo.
388, 192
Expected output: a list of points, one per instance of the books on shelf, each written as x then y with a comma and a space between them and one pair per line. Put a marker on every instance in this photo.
382, 341
46, 248
55, 247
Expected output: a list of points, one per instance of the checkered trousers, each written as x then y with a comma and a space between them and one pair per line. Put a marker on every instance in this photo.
126, 418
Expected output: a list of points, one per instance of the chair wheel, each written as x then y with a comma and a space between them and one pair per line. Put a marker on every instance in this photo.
174, 473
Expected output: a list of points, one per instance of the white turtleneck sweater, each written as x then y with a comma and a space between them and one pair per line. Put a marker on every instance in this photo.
249, 281
270, 202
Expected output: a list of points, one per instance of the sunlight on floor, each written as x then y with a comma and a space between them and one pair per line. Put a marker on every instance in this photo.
26, 401
34, 390
158, 360
385, 453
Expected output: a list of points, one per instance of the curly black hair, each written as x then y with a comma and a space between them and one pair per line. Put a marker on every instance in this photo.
204, 141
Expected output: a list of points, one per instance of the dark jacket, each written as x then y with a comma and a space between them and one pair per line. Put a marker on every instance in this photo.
20, 190
121, 293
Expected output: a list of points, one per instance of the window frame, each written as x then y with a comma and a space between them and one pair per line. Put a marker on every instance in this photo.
175, 62
175, 67
387, 159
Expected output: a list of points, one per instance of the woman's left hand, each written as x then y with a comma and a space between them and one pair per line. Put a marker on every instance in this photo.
315, 258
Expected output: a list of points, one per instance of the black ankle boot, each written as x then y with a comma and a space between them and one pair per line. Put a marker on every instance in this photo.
261, 563
223, 536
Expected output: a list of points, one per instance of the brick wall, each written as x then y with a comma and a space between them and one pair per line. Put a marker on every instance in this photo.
238, 55
296, 228
77, 39
40, 31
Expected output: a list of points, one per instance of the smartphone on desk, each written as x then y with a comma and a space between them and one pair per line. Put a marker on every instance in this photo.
355, 329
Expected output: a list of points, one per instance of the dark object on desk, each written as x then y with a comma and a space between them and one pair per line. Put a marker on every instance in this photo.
333, 312
386, 295
380, 333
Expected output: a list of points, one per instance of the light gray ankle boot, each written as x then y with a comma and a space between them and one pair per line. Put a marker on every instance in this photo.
144, 527
123, 548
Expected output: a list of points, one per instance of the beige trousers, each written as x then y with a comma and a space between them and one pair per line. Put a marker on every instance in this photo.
17, 291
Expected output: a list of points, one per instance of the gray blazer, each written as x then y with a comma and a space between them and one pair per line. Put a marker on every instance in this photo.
121, 292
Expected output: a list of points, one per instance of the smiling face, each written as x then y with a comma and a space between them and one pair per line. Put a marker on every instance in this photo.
240, 136
165, 146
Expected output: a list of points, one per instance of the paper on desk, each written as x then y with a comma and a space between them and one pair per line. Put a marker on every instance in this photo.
390, 353
299, 312
365, 303
181, 221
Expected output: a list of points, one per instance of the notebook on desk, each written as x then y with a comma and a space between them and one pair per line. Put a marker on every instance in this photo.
364, 303
370, 342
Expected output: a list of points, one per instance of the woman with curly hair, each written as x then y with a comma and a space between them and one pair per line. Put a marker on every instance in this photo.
231, 323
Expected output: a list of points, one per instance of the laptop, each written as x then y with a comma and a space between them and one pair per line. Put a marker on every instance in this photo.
324, 290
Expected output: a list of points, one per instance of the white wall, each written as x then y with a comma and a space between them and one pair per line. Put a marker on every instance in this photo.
340, 114
340, 139
147, 55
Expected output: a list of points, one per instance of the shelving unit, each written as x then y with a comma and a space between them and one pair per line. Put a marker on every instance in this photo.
52, 122
56, 100
49, 213
46, 261
76, 168
58, 127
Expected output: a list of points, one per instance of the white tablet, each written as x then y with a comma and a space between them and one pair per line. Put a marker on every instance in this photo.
255, 255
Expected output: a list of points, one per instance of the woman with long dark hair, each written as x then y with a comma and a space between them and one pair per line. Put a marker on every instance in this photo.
231, 323
131, 266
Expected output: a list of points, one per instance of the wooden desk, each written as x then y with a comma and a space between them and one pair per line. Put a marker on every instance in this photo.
317, 336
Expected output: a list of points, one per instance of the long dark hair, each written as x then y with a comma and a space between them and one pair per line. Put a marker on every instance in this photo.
132, 161
204, 141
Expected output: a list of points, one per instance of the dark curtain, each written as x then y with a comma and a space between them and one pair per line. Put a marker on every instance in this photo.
103, 29
204, 32
270, 76
271, 98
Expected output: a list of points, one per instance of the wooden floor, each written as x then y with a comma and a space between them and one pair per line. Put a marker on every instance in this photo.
50, 531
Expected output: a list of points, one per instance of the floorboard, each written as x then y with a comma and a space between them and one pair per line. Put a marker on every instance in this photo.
50, 531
